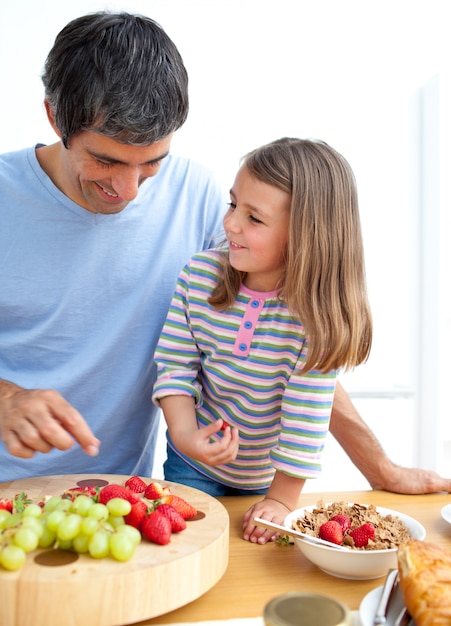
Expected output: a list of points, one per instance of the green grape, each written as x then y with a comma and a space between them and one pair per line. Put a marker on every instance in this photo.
32, 510
82, 504
55, 518
26, 539
99, 511
99, 545
12, 520
107, 526
65, 545
48, 538
118, 506
81, 543
12, 557
64, 505
34, 523
89, 525
115, 521
69, 527
51, 503
131, 532
4, 515
122, 546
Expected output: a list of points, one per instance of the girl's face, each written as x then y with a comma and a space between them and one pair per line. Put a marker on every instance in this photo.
256, 227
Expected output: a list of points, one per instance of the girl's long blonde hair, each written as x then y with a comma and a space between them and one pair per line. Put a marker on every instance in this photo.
324, 283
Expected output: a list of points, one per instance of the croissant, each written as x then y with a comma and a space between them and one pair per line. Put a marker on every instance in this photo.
425, 579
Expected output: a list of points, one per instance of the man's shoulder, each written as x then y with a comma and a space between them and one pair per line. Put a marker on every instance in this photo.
14, 157
187, 171
19, 173
185, 164
186, 186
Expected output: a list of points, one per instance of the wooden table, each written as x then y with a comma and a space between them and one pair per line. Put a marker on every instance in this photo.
257, 573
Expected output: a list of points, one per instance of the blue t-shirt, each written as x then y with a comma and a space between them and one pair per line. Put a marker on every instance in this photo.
83, 298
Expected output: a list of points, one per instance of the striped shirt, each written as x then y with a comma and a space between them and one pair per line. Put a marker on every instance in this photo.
242, 365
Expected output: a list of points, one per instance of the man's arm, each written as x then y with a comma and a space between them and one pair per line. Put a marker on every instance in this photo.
367, 454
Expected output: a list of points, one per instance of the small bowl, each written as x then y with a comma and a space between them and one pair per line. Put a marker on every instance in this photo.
308, 609
354, 564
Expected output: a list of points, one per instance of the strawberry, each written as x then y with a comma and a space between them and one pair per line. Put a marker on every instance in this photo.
362, 534
343, 520
73, 492
6, 504
156, 527
136, 484
117, 491
185, 509
331, 531
137, 514
155, 491
177, 521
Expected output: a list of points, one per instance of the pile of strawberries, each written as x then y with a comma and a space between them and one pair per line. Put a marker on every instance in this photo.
155, 512
337, 529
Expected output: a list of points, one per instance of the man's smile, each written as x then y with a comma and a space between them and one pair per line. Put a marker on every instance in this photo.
108, 193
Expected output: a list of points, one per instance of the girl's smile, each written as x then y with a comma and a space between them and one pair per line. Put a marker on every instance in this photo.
232, 244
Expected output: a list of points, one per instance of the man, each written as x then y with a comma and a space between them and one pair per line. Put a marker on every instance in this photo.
91, 245
95, 229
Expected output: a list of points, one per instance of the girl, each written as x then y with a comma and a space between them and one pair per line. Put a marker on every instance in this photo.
248, 357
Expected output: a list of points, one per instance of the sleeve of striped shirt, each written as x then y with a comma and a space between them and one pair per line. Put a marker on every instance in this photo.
177, 357
304, 423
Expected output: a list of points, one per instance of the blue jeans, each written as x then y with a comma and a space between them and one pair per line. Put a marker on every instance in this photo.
178, 471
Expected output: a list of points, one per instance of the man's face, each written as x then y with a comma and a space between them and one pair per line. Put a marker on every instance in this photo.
103, 175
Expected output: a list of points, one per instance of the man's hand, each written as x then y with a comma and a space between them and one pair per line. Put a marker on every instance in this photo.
411, 480
38, 420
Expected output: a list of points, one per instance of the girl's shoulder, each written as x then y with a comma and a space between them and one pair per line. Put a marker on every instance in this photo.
210, 260
204, 270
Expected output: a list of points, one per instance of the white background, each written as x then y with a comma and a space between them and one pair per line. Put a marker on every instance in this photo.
355, 74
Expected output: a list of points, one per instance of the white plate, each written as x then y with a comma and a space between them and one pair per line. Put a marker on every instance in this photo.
368, 606
367, 609
446, 513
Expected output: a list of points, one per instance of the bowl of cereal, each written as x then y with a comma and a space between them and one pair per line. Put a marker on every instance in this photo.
370, 533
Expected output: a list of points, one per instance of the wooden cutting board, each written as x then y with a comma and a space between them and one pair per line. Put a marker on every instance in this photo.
57, 588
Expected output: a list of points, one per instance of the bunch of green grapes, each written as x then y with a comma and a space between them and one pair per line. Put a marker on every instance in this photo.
81, 525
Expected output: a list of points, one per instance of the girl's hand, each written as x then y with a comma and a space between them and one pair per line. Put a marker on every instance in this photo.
197, 444
281, 498
268, 509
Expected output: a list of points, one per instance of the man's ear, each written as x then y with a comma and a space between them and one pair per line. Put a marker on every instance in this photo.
51, 117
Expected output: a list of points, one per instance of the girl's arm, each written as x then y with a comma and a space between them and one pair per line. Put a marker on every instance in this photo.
180, 415
304, 419
281, 498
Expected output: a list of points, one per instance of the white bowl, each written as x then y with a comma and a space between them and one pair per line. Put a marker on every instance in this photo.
354, 564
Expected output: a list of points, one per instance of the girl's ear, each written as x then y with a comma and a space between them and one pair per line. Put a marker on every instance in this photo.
51, 117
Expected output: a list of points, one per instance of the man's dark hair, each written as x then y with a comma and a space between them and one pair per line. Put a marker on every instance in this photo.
116, 74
